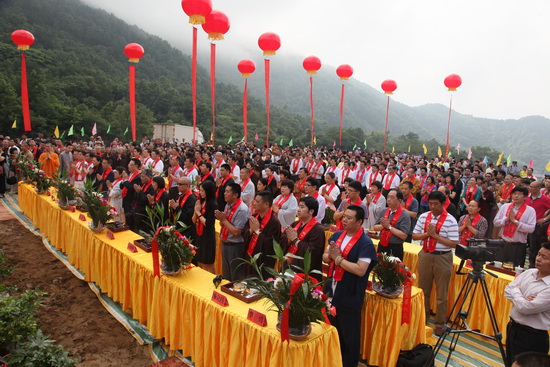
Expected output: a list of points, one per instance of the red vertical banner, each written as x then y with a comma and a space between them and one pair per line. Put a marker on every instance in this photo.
25, 94
267, 112
449, 128
387, 117
155, 254
406, 308
312, 110
245, 110
194, 83
213, 87
132, 89
341, 112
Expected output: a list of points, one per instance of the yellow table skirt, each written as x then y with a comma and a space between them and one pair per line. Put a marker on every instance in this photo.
177, 308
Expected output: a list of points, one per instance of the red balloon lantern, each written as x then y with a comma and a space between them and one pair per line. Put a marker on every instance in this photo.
312, 64
344, 72
22, 38
389, 86
217, 24
452, 82
134, 52
197, 10
246, 67
269, 43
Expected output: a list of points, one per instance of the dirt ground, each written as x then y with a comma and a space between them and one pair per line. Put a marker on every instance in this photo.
70, 312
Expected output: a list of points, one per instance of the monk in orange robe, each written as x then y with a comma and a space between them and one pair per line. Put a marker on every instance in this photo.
49, 160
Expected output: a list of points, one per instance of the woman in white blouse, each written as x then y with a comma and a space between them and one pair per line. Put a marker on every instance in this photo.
376, 202
286, 205
115, 192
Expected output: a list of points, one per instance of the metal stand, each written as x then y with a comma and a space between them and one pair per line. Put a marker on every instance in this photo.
462, 305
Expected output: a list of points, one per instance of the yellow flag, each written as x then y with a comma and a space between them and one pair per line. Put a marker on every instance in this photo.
314, 140
439, 152
425, 148
393, 149
548, 166
14, 125
56, 131
409, 148
499, 158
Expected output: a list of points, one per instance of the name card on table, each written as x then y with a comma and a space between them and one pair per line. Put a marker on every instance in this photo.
220, 299
131, 247
110, 235
82, 217
72, 209
256, 317
48, 193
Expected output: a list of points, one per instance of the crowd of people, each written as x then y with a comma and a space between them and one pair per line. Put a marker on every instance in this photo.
287, 193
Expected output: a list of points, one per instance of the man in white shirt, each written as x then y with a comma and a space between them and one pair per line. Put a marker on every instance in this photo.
529, 323
157, 166
247, 186
190, 170
310, 189
295, 166
235, 169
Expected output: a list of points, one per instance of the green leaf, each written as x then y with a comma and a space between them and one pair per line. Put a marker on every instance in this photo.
307, 262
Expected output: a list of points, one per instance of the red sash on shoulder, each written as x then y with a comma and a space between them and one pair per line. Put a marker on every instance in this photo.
467, 233
429, 243
385, 234
293, 248
510, 228
199, 226
225, 232
254, 239
337, 272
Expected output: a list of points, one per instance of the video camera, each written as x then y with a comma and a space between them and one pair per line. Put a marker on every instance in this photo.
478, 251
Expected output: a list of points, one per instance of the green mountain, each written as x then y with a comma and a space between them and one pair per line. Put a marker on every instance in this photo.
78, 74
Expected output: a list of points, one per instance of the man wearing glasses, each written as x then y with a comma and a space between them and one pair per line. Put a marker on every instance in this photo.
353, 197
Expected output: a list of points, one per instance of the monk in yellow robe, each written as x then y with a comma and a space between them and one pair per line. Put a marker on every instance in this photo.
49, 160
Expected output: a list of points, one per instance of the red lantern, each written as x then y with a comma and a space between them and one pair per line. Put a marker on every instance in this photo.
197, 10
22, 38
217, 24
134, 52
312, 64
344, 72
269, 43
452, 82
246, 67
389, 86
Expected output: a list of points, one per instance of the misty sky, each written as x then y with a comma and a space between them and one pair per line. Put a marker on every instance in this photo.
501, 49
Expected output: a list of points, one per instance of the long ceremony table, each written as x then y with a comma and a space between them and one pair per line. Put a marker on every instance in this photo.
176, 308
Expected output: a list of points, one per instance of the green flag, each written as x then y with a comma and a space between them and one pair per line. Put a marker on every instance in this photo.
509, 160
230, 139
82, 131
290, 143
281, 142
365, 143
449, 155
109, 129
62, 135
71, 132
125, 131
242, 139
354, 146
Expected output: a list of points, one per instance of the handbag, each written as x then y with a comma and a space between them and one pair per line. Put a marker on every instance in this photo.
416, 357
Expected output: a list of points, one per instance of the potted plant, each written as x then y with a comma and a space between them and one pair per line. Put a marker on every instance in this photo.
297, 297
176, 250
389, 276
98, 208
66, 193
41, 182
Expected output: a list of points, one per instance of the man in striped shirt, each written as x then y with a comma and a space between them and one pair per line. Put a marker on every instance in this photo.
438, 231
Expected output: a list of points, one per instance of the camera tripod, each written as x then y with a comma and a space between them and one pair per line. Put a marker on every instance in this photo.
462, 305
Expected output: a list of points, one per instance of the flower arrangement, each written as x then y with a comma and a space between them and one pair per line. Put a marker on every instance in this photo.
66, 193
98, 208
175, 249
298, 293
31, 171
390, 273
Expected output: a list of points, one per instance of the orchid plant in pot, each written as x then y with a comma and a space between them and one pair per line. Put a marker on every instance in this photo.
98, 208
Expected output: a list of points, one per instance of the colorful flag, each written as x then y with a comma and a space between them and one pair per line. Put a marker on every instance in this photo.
290, 143
354, 146
56, 131
256, 136
485, 160
409, 148
212, 136
71, 132
230, 139
334, 143
458, 149
425, 148
439, 152
499, 158
509, 160
365, 143
82, 131
393, 149
14, 125
109, 129
94, 129
281, 142
125, 131
470, 153
62, 135
548, 166
531, 163
449, 155
314, 140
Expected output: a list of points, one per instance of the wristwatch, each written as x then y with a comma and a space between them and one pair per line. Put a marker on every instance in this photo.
258, 232
389, 228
